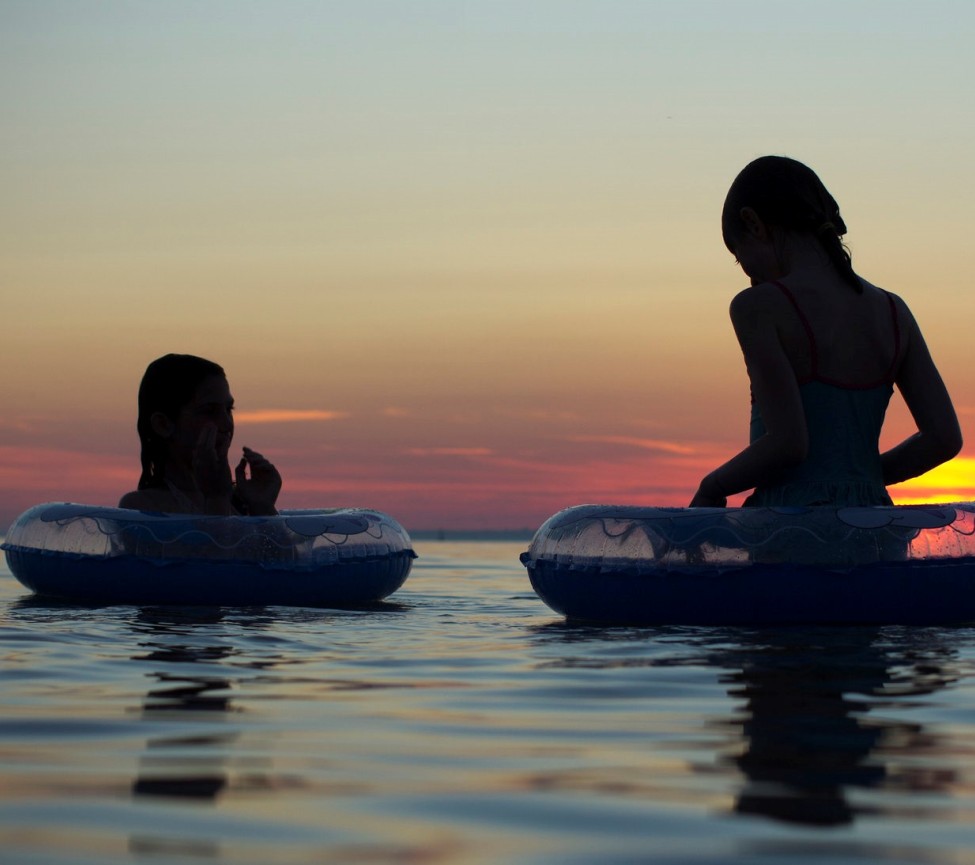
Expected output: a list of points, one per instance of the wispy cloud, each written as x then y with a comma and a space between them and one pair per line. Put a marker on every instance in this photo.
449, 452
27, 472
396, 411
19, 424
287, 415
633, 441
541, 414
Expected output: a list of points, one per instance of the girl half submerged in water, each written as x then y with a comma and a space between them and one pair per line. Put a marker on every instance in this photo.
823, 349
186, 426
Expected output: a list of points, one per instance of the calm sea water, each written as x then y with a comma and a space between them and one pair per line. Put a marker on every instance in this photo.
465, 723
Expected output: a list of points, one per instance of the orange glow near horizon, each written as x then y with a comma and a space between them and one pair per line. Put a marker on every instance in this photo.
439, 487
952, 482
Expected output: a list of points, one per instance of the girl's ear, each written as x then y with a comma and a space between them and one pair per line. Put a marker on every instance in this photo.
162, 426
753, 223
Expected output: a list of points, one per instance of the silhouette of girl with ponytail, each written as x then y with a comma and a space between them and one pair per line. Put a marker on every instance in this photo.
823, 349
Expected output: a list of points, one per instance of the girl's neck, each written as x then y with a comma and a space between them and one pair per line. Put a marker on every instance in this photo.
179, 477
184, 499
799, 254
189, 498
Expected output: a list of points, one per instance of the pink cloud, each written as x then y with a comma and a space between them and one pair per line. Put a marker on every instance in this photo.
449, 452
634, 441
18, 424
31, 475
286, 415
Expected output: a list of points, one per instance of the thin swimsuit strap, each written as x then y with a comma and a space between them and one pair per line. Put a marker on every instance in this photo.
814, 354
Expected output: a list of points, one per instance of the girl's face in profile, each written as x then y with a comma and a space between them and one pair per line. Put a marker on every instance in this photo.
748, 257
756, 257
208, 415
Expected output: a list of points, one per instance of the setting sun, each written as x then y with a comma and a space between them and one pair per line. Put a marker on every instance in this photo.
951, 482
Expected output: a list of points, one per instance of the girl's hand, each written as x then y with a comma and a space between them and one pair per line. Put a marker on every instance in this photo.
211, 471
708, 495
260, 491
702, 500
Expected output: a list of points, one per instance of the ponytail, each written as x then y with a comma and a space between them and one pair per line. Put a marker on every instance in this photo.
786, 193
829, 235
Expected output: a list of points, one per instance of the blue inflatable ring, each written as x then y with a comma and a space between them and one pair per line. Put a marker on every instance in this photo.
320, 558
908, 564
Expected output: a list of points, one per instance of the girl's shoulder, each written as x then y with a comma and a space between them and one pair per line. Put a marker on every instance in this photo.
764, 300
770, 297
904, 316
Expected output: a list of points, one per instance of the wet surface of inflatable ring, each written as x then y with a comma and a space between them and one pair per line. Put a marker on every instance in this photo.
329, 558
908, 564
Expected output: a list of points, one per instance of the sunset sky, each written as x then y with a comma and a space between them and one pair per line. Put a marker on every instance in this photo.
461, 260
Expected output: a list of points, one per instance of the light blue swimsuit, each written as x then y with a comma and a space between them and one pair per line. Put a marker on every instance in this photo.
843, 463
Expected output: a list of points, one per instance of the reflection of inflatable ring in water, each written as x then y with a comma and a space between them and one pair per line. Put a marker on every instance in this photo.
900, 564
326, 558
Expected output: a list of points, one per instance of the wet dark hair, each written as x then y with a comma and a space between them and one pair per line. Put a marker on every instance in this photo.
788, 194
169, 383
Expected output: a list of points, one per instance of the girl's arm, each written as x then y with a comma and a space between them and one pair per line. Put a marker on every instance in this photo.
776, 394
938, 438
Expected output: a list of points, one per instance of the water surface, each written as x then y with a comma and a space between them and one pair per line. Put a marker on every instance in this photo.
463, 722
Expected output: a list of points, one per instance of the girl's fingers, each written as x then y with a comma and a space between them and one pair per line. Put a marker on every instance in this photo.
255, 459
